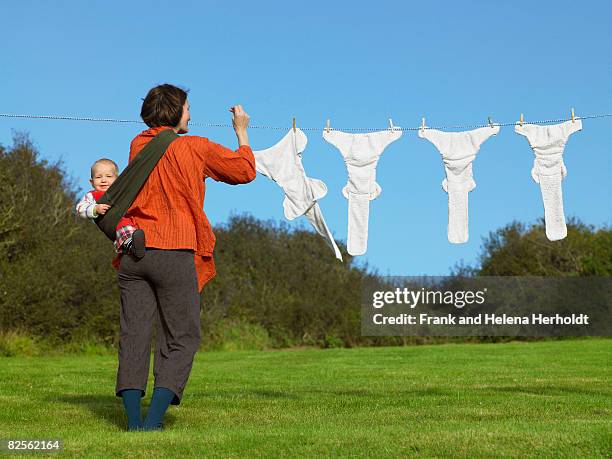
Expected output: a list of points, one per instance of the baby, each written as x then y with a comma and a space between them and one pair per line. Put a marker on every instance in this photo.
130, 239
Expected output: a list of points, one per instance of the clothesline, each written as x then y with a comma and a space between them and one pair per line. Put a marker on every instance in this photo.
282, 164
281, 128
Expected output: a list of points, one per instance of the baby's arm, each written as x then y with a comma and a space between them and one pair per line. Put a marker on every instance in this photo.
86, 207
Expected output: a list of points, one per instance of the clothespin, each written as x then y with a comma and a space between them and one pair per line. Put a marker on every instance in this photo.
423, 123
294, 125
391, 124
522, 119
490, 122
327, 126
573, 118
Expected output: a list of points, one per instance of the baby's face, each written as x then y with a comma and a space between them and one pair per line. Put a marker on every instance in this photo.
103, 177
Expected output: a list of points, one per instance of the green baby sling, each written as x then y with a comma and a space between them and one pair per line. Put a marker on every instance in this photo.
122, 193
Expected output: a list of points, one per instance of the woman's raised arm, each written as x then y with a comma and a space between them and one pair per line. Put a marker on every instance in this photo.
240, 120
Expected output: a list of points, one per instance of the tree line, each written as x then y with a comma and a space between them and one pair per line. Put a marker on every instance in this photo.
275, 286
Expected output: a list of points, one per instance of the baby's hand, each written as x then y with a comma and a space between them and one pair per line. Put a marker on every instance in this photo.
102, 208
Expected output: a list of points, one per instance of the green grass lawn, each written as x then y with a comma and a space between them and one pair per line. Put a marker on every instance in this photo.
544, 399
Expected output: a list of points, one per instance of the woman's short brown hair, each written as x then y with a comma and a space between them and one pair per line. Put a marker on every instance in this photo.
163, 106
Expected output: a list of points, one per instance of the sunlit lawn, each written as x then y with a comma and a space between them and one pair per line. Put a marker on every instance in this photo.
545, 399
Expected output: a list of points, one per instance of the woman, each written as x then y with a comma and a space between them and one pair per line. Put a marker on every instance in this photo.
165, 285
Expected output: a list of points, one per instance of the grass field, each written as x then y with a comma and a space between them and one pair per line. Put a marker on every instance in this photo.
544, 399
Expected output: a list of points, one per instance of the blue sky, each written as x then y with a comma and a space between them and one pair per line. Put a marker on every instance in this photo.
356, 63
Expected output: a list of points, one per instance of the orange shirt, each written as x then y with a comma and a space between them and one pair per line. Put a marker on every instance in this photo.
169, 207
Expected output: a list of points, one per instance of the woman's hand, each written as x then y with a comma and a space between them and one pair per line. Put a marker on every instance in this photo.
240, 121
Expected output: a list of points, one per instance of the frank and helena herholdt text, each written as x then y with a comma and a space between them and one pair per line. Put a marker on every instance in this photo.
480, 319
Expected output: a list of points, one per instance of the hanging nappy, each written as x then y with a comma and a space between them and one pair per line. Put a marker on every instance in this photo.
548, 143
458, 150
361, 153
282, 163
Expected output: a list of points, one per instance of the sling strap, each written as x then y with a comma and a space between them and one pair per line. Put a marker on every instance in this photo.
122, 193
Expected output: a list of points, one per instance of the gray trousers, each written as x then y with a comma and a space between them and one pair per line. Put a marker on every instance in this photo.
162, 289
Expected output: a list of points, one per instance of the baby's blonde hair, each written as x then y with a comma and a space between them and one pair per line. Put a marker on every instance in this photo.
104, 161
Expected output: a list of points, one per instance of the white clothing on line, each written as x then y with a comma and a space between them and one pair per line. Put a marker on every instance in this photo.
548, 144
458, 150
282, 163
361, 153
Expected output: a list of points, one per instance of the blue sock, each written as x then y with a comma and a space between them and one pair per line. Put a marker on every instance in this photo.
159, 404
131, 402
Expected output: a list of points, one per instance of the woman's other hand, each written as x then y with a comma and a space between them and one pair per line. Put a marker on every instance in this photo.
240, 121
